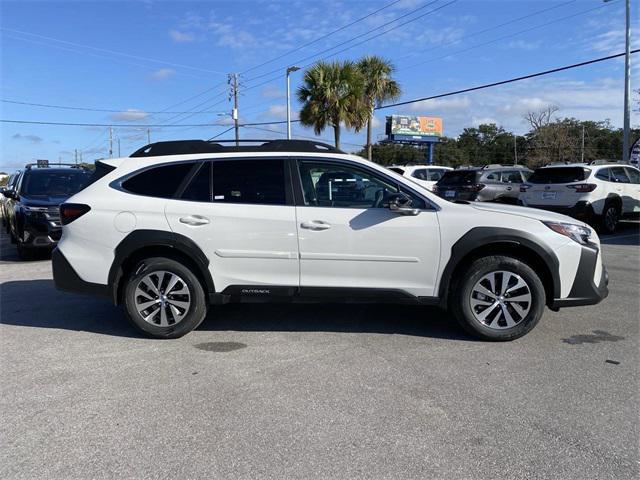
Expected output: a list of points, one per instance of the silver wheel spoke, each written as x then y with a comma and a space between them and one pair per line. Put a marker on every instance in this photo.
493, 307
153, 303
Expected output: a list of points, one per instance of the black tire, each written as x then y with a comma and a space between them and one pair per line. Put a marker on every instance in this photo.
195, 313
610, 217
463, 288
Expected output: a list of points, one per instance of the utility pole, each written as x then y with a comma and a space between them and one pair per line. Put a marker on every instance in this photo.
233, 81
515, 148
582, 149
626, 145
76, 156
110, 142
148, 135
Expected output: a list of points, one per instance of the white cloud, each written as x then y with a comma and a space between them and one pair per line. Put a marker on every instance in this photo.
376, 122
441, 104
525, 45
27, 138
181, 37
276, 112
162, 74
271, 91
129, 115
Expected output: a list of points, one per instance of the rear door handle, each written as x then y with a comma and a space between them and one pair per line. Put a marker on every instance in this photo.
316, 225
509, 188
194, 220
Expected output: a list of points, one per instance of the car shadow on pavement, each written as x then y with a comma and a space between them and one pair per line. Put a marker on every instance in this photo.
627, 233
36, 303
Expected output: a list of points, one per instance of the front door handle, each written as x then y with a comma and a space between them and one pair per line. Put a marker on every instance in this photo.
316, 225
509, 188
194, 220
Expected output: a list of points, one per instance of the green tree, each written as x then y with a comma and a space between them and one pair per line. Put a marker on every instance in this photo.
332, 95
378, 87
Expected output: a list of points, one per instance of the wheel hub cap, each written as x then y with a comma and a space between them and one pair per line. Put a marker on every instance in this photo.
162, 298
500, 300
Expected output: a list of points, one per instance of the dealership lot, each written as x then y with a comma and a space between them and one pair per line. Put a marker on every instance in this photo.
323, 391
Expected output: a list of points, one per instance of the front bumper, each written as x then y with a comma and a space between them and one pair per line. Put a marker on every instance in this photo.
584, 291
66, 278
39, 230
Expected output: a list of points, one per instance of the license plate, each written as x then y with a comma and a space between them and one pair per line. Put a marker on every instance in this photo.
549, 195
450, 193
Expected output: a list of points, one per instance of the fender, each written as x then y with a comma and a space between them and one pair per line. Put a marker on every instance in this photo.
157, 238
479, 237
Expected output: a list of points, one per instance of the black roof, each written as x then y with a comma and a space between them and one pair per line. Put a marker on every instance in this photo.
182, 147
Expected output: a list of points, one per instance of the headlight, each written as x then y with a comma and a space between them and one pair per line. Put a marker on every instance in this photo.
576, 233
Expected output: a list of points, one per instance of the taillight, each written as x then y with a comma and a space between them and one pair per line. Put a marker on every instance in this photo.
583, 187
72, 211
524, 187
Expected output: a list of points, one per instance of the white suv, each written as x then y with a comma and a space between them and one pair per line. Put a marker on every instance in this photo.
425, 175
600, 193
166, 234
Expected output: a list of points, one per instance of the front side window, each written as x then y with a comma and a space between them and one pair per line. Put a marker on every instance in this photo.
249, 181
633, 174
162, 182
618, 174
344, 186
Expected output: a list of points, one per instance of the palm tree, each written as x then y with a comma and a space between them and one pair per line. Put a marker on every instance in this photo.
378, 87
332, 94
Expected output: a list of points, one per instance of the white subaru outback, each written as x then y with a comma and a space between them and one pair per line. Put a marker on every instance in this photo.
182, 225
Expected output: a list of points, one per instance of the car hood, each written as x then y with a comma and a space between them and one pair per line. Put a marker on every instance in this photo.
535, 213
43, 200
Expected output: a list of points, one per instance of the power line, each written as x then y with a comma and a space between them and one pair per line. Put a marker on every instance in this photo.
322, 37
456, 92
358, 36
222, 133
92, 109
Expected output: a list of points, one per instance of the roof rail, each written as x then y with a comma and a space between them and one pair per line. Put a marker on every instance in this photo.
604, 162
185, 147
29, 166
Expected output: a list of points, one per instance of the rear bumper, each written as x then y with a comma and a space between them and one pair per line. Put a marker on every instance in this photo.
581, 210
584, 291
66, 278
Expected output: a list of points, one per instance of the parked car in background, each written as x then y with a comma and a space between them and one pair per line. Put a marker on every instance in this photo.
166, 234
425, 175
11, 183
491, 183
600, 193
33, 205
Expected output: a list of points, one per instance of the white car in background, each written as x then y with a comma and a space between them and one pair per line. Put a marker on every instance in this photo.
600, 193
425, 175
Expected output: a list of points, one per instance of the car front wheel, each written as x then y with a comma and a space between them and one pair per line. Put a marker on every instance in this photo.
164, 299
498, 298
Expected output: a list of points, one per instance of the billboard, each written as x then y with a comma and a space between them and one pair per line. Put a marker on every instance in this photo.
414, 126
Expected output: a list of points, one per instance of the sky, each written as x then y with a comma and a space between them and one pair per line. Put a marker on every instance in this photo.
143, 61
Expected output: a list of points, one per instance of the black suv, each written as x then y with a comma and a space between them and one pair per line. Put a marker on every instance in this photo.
32, 206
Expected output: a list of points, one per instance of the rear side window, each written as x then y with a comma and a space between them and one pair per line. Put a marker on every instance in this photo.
559, 175
634, 175
618, 174
458, 177
511, 177
162, 182
603, 174
434, 174
100, 171
249, 181
421, 174
199, 189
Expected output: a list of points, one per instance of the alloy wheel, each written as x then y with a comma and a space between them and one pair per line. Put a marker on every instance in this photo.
500, 299
162, 298
611, 218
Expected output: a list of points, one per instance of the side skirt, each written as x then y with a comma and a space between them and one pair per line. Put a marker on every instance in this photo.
280, 294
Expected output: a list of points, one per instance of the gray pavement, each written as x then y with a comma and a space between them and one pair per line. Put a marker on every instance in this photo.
316, 391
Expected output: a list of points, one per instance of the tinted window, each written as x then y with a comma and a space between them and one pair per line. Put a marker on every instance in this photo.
603, 174
100, 171
54, 182
397, 170
511, 177
344, 186
160, 181
421, 174
493, 176
249, 181
634, 175
559, 175
435, 174
619, 174
199, 189
459, 177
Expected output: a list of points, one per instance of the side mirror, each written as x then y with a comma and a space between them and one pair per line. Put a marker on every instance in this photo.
401, 203
8, 193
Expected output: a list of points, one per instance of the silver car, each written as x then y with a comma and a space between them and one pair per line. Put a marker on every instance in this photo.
491, 183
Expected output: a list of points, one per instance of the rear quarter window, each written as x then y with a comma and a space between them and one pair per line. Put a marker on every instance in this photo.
162, 181
559, 175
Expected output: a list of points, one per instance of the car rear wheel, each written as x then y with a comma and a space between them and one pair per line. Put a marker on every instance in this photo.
610, 218
164, 299
498, 298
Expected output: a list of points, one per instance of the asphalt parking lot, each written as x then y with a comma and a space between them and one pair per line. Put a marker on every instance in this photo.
316, 391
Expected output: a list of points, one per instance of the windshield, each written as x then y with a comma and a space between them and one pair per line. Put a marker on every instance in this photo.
453, 177
61, 182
